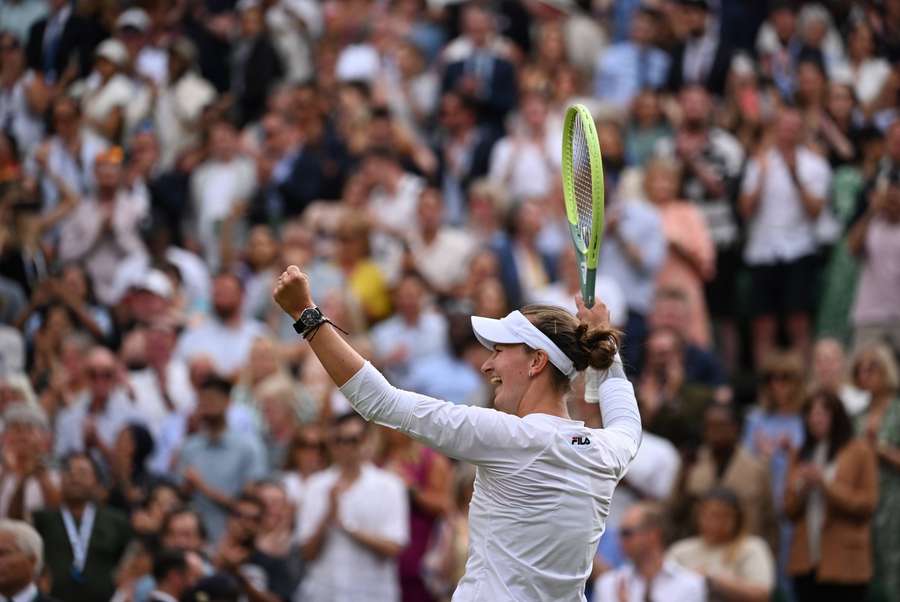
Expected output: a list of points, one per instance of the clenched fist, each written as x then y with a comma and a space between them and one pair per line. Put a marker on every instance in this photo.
292, 292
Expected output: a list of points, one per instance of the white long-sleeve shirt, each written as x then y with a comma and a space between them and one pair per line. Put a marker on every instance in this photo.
543, 484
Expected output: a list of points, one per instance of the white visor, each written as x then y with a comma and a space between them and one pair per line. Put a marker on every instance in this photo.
515, 329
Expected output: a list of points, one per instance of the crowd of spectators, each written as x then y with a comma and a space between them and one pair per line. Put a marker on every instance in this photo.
166, 435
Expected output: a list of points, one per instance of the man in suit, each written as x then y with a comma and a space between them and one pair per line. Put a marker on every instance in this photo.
702, 56
61, 45
21, 560
85, 540
173, 575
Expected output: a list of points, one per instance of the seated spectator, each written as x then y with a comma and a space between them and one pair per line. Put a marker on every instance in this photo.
364, 278
737, 566
92, 423
27, 483
723, 462
216, 463
831, 496
672, 401
226, 335
648, 575
829, 372
355, 521
415, 328
23, 557
84, 539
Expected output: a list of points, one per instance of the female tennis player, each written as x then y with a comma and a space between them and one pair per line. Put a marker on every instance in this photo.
543, 481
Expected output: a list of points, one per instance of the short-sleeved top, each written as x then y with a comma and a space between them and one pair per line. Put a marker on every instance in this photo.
377, 504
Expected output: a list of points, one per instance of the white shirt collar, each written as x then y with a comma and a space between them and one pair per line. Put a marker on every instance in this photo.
26, 595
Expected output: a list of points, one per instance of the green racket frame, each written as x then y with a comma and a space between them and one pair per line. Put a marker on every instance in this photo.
587, 254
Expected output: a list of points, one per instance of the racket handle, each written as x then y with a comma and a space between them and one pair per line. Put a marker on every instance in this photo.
587, 289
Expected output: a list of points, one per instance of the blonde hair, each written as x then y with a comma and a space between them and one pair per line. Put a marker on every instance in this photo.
884, 356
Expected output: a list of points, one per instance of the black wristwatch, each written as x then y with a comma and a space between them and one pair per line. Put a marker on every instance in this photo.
310, 319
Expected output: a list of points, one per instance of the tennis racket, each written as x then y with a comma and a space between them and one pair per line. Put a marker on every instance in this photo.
582, 177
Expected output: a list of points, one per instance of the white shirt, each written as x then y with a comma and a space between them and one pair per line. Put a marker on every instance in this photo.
444, 262
34, 495
345, 571
118, 412
781, 230
524, 167
228, 347
26, 595
397, 210
672, 584
542, 489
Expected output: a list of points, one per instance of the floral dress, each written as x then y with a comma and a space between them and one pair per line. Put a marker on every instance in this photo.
887, 519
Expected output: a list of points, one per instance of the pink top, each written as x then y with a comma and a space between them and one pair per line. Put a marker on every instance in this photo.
691, 261
879, 283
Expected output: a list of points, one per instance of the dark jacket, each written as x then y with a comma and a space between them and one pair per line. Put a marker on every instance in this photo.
77, 42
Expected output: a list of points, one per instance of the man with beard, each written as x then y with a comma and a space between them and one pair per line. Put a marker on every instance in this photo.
226, 336
215, 463
83, 540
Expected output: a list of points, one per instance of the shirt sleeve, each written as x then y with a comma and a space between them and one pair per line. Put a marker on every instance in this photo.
466, 433
757, 565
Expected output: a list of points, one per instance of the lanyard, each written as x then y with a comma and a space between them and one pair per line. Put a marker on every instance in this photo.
78, 539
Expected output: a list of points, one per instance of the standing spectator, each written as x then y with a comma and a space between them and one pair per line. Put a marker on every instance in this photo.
737, 566
647, 126
875, 239
61, 45
649, 575
632, 253
782, 194
526, 162
829, 373
415, 333
103, 231
22, 553
723, 462
70, 154
24, 98
84, 539
428, 480
481, 72
691, 255
394, 192
701, 56
180, 101
364, 278
355, 522
463, 150
305, 457
256, 66
712, 160
27, 483
626, 69
831, 495
172, 573
227, 335
93, 421
216, 463
225, 179
875, 368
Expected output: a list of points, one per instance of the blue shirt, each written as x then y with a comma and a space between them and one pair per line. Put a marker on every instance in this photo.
641, 225
624, 69
227, 465
774, 426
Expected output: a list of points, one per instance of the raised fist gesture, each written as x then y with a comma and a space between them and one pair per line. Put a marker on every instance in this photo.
292, 292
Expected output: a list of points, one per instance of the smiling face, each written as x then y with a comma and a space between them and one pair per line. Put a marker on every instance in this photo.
507, 371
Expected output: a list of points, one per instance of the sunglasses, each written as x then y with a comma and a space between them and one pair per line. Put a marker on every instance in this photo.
353, 440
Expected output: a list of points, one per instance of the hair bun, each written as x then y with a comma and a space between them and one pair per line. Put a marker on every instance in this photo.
598, 347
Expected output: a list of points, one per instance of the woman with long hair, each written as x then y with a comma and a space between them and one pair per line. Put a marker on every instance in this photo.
544, 481
832, 491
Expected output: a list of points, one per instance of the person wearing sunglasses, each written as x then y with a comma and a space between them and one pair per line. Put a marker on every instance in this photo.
544, 481
354, 523
648, 575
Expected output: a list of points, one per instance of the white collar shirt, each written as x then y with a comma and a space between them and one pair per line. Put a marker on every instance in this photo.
26, 595
780, 230
377, 504
672, 583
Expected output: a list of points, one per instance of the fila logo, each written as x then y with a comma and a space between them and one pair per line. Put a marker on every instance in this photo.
579, 440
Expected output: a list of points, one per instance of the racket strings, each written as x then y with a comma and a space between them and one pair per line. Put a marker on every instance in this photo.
582, 181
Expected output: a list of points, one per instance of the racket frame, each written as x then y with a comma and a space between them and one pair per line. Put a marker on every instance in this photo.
587, 254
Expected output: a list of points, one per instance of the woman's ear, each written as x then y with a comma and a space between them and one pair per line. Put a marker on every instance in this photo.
539, 360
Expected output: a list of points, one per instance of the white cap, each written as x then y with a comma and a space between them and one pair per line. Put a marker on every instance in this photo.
154, 281
114, 51
515, 329
134, 17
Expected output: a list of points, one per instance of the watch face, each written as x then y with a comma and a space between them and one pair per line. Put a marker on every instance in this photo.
310, 316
